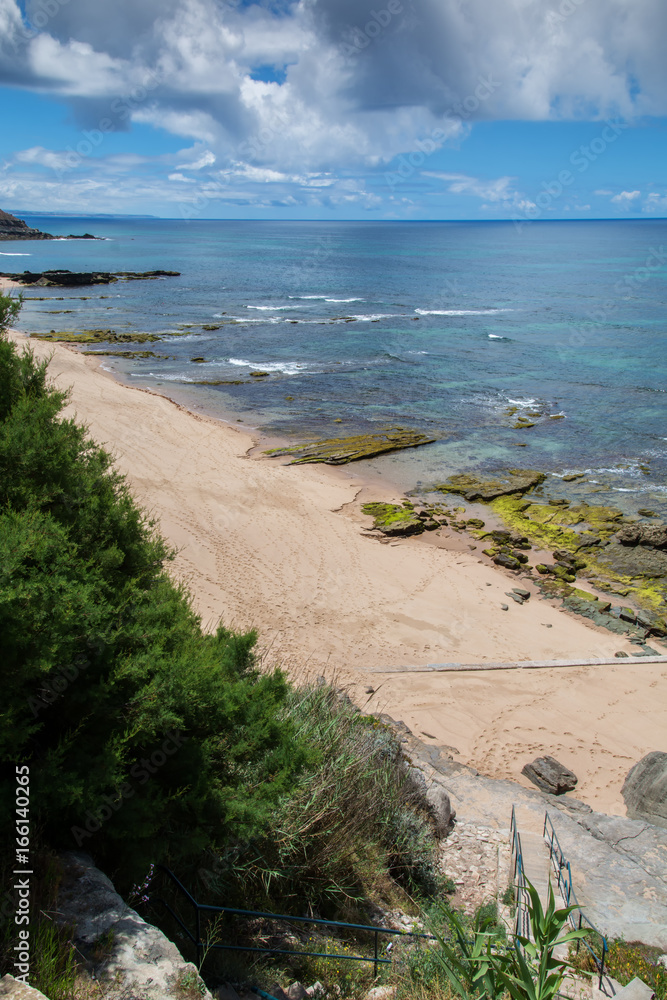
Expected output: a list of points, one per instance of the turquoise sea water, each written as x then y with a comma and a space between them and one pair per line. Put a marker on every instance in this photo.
438, 326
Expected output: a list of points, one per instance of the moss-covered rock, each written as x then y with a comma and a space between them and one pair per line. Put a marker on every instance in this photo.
394, 519
506, 482
339, 451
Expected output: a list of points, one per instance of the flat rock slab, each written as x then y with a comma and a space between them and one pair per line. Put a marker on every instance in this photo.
635, 990
550, 775
502, 483
339, 451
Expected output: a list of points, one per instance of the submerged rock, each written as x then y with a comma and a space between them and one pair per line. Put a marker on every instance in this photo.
503, 483
549, 775
339, 451
645, 789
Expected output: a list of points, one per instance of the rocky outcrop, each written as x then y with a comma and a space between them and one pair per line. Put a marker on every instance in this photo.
501, 484
12, 228
14, 989
652, 535
550, 775
140, 960
339, 451
74, 279
645, 789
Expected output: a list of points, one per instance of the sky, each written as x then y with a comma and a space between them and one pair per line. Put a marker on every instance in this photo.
335, 109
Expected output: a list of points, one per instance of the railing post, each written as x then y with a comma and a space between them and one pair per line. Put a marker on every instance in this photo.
198, 945
604, 951
375, 963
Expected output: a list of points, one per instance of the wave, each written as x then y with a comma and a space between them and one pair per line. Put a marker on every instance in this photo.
460, 312
324, 297
6, 254
522, 402
497, 336
370, 317
285, 367
271, 308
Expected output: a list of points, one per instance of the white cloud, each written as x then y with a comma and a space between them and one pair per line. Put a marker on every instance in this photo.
499, 192
625, 198
655, 203
286, 95
193, 64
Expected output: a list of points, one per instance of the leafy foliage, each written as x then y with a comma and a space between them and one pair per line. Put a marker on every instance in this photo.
103, 657
488, 967
347, 830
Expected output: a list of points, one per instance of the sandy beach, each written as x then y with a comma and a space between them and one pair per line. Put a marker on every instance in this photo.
281, 549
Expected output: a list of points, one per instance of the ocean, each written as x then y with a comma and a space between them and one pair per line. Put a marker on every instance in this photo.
458, 329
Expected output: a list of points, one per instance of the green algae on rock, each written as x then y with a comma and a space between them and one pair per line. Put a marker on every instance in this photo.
98, 337
339, 451
506, 482
128, 354
394, 519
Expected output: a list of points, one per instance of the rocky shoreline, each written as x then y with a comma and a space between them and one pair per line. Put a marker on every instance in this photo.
616, 554
74, 279
12, 228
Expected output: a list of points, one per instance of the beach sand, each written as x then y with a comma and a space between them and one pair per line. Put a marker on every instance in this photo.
280, 549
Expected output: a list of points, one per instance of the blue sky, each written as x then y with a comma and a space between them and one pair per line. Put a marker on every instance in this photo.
398, 109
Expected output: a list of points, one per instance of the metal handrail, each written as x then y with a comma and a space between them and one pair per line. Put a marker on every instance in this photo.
196, 938
522, 916
577, 917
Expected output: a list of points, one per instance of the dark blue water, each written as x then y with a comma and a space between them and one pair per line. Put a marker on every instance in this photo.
438, 326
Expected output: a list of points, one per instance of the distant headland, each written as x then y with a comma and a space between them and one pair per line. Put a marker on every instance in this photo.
12, 228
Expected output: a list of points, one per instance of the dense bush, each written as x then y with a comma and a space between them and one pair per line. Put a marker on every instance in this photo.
103, 658
149, 740
348, 830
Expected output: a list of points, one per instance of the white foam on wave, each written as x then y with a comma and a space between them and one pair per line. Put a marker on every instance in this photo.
271, 308
497, 336
6, 254
285, 367
372, 317
324, 298
460, 312
522, 402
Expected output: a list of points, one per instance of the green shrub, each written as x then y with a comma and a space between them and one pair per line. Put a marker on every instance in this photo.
345, 831
103, 658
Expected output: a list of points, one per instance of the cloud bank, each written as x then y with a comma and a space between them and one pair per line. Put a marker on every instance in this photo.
312, 94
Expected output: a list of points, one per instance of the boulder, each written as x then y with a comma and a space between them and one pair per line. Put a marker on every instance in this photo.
652, 535
297, 991
549, 775
645, 789
15, 989
142, 960
441, 810
381, 993
509, 562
